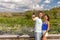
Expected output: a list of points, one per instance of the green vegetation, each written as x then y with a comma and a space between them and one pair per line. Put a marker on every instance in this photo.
21, 23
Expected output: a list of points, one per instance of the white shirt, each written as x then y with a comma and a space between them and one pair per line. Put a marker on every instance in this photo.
38, 24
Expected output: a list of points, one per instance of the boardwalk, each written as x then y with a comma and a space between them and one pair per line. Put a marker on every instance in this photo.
27, 37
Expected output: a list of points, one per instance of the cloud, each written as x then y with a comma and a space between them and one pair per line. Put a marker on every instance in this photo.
39, 7
47, 1
22, 5
58, 2
18, 4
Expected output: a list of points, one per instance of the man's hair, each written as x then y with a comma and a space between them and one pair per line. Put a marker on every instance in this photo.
40, 12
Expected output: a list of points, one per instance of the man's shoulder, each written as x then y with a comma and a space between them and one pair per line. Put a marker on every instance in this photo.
36, 17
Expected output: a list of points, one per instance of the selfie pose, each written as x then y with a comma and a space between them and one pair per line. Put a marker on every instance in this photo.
45, 26
38, 25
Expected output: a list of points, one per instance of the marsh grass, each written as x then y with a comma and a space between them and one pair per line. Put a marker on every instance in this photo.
21, 25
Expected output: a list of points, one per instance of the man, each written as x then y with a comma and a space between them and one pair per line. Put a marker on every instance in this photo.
38, 25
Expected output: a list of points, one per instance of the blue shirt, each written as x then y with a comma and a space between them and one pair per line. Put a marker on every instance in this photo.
44, 26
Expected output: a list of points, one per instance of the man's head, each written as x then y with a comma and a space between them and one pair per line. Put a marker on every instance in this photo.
40, 14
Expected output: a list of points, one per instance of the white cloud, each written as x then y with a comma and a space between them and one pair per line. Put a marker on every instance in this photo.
47, 1
39, 7
6, 0
42, 5
58, 2
21, 5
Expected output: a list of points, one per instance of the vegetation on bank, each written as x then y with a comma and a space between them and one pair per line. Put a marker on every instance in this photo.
21, 23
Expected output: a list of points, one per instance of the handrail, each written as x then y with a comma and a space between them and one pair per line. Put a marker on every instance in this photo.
50, 36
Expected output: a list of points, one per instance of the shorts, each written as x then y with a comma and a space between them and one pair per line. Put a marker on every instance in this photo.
44, 32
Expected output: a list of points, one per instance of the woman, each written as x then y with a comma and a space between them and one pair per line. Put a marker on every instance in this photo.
45, 26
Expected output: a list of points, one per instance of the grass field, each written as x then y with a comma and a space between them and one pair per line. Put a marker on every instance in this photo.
21, 25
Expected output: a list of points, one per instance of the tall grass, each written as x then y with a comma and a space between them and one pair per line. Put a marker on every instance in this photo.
21, 25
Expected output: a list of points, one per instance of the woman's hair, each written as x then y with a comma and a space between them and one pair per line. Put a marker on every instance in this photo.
47, 16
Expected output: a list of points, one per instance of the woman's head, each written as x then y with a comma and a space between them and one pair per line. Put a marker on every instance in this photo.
46, 17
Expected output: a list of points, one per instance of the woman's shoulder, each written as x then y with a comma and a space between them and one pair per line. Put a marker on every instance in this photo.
48, 22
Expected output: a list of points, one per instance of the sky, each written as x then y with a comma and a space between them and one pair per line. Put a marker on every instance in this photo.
24, 5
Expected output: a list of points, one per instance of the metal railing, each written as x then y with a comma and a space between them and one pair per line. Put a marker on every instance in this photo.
17, 37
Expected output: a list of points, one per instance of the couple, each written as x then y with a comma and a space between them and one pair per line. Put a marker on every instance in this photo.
41, 28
